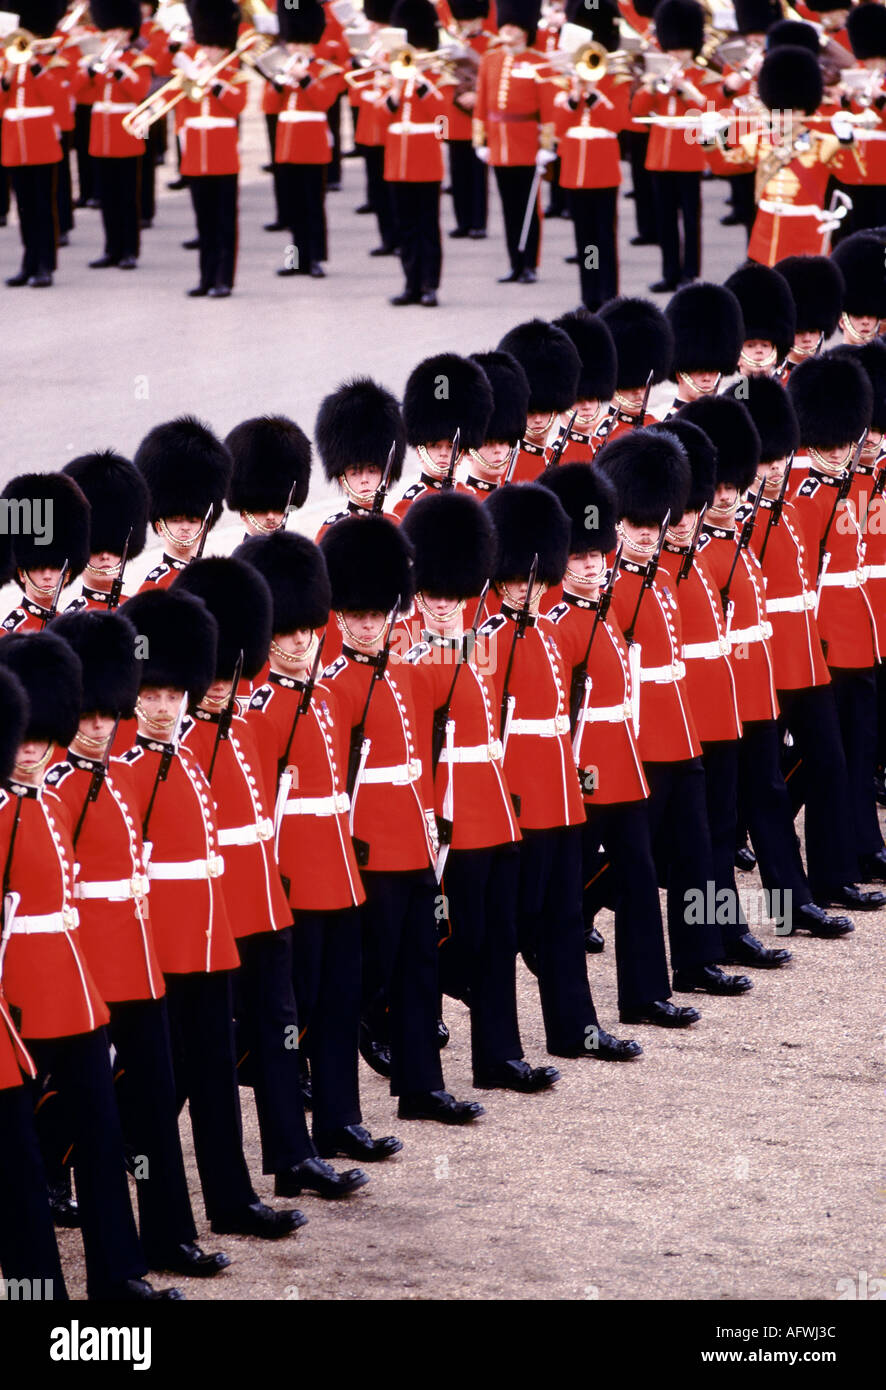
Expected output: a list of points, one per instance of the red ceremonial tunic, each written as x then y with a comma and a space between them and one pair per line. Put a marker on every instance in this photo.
415, 134
587, 129
111, 99
163, 575
303, 134
873, 513
28, 617
14, 1056
748, 629
509, 107
709, 678
29, 107
208, 128
789, 576
669, 149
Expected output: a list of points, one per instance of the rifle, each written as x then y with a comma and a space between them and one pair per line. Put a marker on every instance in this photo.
449, 481
53, 607
686, 567
441, 715
6, 923
842, 494
877, 491
580, 674
116, 588
290, 503
777, 506
225, 719
520, 627
165, 763
95, 781
305, 701
204, 533
381, 491
642, 416
562, 442
649, 577
359, 749
744, 540
512, 462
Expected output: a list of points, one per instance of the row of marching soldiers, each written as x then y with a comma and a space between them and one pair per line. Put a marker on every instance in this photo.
241, 808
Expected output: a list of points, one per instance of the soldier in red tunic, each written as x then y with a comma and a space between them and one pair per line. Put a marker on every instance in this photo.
488, 465
708, 333
861, 259
445, 394
356, 426
769, 315
118, 521
818, 289
48, 519
272, 466
866, 175
468, 175
644, 346
187, 470
596, 383
549, 358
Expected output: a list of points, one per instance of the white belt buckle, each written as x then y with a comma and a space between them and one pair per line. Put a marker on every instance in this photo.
265, 829
215, 866
70, 917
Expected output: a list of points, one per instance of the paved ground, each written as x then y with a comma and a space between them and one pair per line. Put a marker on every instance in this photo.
736, 1161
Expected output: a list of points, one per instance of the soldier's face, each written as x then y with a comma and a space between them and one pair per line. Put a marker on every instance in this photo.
638, 539
261, 523
158, 708
513, 36
185, 531
490, 461
217, 693
836, 458
104, 564
442, 608
682, 532
586, 570
633, 398
757, 355
440, 453
704, 382
363, 479
865, 325
539, 422
725, 496
771, 475
41, 584
95, 730
805, 343
31, 759
367, 627
514, 592
587, 411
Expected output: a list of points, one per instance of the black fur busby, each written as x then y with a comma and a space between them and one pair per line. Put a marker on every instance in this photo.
378, 11
295, 571
215, 22
357, 423
702, 458
529, 520
178, 636
13, 720
464, 10
7, 560
40, 17
453, 540
269, 453
115, 14
833, 400
756, 16
650, 474
303, 23
186, 467
767, 305
240, 601
774, 417
872, 357
51, 509
790, 80
708, 329
550, 361
862, 259
643, 341
817, 286
596, 351
105, 644
679, 24
601, 17
419, 19
866, 27
118, 497
825, 6
443, 394
524, 13
50, 672
588, 499
510, 396
370, 565
733, 434
792, 33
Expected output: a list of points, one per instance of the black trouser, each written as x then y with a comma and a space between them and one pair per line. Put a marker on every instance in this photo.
85, 166
880, 678
146, 1099
400, 972
868, 205
333, 116
514, 186
855, 692
215, 206
80, 1068
480, 892
27, 1236
34, 186
5, 187
119, 188
594, 215
469, 178
556, 194
819, 780
326, 972
302, 190
153, 156
681, 842
641, 179
265, 1005
641, 964
766, 806
550, 935
743, 205
678, 195
202, 1031
271, 123
720, 762
380, 197
421, 252
63, 194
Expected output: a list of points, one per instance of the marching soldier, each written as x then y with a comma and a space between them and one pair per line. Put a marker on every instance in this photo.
357, 424
371, 122
488, 464
271, 469
118, 522
51, 547
446, 396
468, 175
769, 316
596, 384
862, 260
644, 346
708, 333
817, 287
866, 175
187, 470
552, 365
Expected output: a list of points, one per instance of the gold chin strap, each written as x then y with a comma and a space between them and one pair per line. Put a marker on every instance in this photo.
544, 431
769, 361
428, 464
440, 617
108, 572
852, 332
295, 658
361, 499
179, 545
263, 527
41, 762
359, 642
152, 721
512, 602
98, 744
50, 591
493, 467
592, 582
637, 546
700, 390
832, 469
629, 407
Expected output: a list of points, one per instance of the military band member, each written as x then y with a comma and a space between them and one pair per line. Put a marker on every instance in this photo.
487, 465
862, 261
187, 470
271, 466
596, 383
865, 176
445, 395
769, 315
372, 118
708, 334
118, 520
818, 288
468, 175
644, 346
552, 365
356, 426
51, 547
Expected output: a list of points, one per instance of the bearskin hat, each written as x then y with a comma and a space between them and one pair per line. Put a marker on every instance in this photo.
270, 453
115, 14
187, 469
774, 417
13, 720
833, 399
240, 601
825, 6
767, 305
454, 544
601, 18
357, 423
708, 329
178, 636
679, 24
650, 474
790, 80
702, 458
872, 357
463, 10
105, 644
550, 361
588, 499
7, 561
510, 396
118, 497
215, 22
866, 27
378, 11
524, 13
643, 341
302, 23
733, 434
817, 286
792, 33
862, 259
49, 671
596, 351
419, 19
369, 564
443, 394
529, 520
295, 571
40, 17
756, 16
58, 502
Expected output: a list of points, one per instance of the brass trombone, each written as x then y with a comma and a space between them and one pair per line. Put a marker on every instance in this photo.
180, 86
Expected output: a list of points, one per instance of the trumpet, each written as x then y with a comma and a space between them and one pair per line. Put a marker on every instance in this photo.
98, 55
180, 86
278, 66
